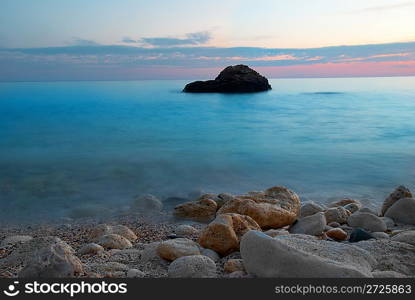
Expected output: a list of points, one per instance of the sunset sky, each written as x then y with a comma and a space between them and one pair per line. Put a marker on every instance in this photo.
134, 39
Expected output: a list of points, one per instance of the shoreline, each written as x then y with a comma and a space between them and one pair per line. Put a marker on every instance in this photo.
191, 229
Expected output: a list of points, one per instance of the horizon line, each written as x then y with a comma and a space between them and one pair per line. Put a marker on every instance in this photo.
185, 79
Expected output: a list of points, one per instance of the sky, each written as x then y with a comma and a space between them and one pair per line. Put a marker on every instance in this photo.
160, 39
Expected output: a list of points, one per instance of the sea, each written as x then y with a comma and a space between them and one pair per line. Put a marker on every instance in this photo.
68, 146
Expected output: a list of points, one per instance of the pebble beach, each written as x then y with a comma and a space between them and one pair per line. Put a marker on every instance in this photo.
221, 236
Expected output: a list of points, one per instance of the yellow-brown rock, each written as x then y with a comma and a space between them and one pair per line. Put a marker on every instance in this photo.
224, 233
337, 234
274, 208
173, 249
202, 210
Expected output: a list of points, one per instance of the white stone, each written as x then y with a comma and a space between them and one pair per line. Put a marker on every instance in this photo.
310, 208
367, 221
301, 257
312, 225
402, 211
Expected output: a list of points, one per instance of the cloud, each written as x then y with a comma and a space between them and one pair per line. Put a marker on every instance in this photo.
82, 42
201, 55
87, 56
201, 37
282, 57
128, 40
195, 38
344, 58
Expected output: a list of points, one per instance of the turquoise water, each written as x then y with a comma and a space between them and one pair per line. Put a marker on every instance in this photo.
67, 144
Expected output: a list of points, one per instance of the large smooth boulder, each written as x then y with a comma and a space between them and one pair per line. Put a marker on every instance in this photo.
223, 234
233, 79
310, 208
312, 225
399, 193
367, 221
274, 208
337, 214
391, 255
195, 266
388, 274
57, 260
173, 249
380, 235
402, 211
276, 232
405, 237
298, 256
204, 209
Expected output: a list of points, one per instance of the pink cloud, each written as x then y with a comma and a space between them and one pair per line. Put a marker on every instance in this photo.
373, 56
351, 69
315, 58
275, 58
242, 58
390, 55
345, 69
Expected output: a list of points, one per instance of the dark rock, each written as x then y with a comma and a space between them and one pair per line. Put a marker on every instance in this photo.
359, 234
233, 79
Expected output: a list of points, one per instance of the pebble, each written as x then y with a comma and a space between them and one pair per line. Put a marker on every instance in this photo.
337, 234
234, 265
359, 234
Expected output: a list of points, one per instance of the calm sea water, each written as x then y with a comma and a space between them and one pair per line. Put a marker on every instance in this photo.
70, 144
